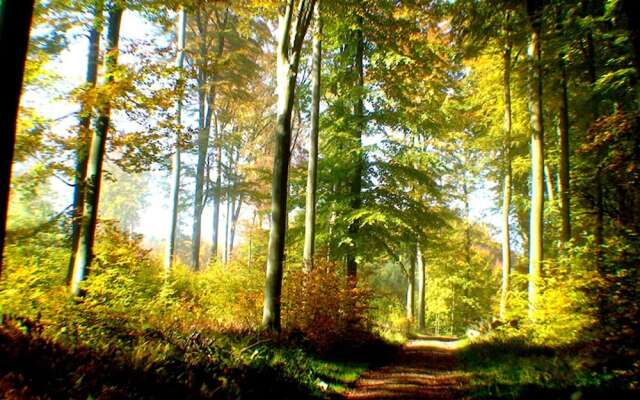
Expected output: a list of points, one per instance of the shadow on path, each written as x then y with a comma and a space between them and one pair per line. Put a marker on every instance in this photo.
424, 368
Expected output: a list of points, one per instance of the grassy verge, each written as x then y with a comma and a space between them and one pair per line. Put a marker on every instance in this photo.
512, 368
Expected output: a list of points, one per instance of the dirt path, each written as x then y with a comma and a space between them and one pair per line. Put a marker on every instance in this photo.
424, 369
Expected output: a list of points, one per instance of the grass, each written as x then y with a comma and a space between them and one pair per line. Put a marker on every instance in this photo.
512, 368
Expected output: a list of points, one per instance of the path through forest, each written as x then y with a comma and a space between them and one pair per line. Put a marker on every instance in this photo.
425, 368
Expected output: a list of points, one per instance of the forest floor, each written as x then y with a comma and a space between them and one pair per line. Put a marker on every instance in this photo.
425, 367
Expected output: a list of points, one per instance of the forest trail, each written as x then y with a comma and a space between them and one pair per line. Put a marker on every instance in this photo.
425, 368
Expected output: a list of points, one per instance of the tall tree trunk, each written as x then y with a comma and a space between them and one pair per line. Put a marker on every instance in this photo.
411, 277
629, 9
227, 216
217, 191
93, 180
506, 200
234, 222
534, 8
548, 174
15, 25
564, 167
422, 288
84, 135
253, 225
288, 57
198, 204
206, 94
203, 135
175, 161
356, 179
467, 219
312, 169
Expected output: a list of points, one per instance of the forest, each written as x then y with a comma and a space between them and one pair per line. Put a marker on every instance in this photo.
320, 199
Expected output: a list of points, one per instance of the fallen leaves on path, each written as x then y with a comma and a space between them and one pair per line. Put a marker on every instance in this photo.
424, 369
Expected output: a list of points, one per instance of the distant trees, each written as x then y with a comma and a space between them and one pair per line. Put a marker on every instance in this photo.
415, 115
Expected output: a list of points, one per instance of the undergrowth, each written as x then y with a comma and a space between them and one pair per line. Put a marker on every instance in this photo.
138, 333
503, 366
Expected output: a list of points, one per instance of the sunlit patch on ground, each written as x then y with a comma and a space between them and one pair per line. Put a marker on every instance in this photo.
425, 368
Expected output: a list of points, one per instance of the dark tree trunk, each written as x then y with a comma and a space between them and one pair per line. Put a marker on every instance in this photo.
564, 167
356, 179
506, 202
15, 24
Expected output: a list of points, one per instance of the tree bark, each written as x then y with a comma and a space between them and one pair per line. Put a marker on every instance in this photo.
227, 216
234, 222
356, 180
549, 184
506, 201
411, 277
564, 167
288, 57
534, 8
312, 169
422, 288
93, 179
84, 135
15, 25
206, 94
175, 161
629, 9
217, 190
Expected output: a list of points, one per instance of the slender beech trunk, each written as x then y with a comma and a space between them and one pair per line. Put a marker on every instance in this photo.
598, 229
288, 57
82, 149
422, 288
234, 222
467, 219
203, 135
312, 169
93, 180
506, 199
411, 278
227, 218
206, 94
175, 160
198, 204
253, 225
356, 180
564, 167
595, 112
15, 25
217, 191
537, 157
548, 179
